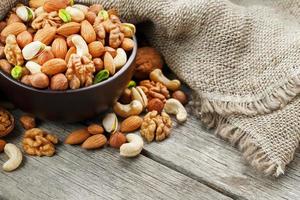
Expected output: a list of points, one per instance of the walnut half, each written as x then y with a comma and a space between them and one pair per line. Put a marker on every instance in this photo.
156, 126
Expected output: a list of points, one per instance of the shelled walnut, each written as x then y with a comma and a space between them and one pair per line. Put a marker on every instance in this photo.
80, 71
7, 122
36, 142
12, 51
156, 126
154, 90
46, 19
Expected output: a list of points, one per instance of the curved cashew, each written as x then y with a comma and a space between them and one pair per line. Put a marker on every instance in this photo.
139, 94
81, 46
173, 106
157, 76
110, 122
134, 147
15, 157
134, 108
120, 59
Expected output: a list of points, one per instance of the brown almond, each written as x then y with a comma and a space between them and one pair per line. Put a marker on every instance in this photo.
14, 29
68, 29
71, 51
131, 123
36, 3
45, 35
96, 49
23, 39
13, 18
95, 129
77, 137
45, 56
87, 31
94, 142
59, 48
2, 145
54, 66
55, 5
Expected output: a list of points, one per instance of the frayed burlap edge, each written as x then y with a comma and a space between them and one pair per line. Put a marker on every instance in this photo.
269, 101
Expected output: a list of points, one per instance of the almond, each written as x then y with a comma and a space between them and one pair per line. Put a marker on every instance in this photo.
55, 5
15, 29
45, 35
23, 39
94, 142
13, 18
131, 123
87, 32
90, 16
68, 29
71, 51
95, 129
2, 145
59, 48
36, 3
45, 56
54, 66
77, 137
96, 49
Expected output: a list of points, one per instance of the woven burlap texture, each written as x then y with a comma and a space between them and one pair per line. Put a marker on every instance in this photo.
241, 58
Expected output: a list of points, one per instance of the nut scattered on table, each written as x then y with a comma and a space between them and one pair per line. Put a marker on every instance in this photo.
131, 124
2, 145
15, 157
94, 142
95, 129
77, 136
117, 139
37, 142
7, 122
28, 122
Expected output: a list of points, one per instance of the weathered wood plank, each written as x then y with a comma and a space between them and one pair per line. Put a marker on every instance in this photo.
75, 173
196, 152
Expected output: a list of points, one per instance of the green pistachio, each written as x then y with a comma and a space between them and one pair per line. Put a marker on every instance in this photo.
101, 76
129, 29
64, 15
71, 2
16, 72
103, 14
131, 84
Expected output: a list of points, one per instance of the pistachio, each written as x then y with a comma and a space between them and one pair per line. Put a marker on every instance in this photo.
101, 76
25, 13
131, 84
110, 122
138, 94
81, 7
128, 29
33, 50
16, 72
103, 14
76, 14
33, 67
120, 59
64, 15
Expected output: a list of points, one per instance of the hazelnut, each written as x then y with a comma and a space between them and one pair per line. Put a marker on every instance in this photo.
2, 145
5, 66
39, 80
2, 54
2, 25
98, 64
28, 122
90, 16
126, 96
110, 50
24, 38
95, 129
26, 80
59, 82
155, 104
117, 139
180, 96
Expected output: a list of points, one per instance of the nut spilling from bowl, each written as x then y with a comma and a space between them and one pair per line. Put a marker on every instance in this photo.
58, 46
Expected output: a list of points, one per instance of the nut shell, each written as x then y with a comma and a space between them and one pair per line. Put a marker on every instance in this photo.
131, 124
94, 142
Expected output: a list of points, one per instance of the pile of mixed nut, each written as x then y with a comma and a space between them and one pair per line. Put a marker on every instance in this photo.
57, 45
145, 104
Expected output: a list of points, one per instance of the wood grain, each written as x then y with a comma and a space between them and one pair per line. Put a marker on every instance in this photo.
75, 173
197, 153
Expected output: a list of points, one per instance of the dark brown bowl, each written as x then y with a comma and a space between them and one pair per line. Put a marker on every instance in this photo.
69, 105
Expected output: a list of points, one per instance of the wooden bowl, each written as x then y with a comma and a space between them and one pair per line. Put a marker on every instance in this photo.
69, 105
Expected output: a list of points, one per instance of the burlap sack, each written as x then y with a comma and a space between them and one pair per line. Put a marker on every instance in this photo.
241, 58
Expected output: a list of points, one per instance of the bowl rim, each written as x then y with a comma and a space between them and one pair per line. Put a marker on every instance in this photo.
49, 91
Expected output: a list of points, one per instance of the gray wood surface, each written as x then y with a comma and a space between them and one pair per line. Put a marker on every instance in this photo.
74, 173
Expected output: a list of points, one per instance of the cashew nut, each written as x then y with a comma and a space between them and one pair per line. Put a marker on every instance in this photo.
15, 157
110, 122
81, 46
157, 76
138, 94
120, 59
126, 110
173, 106
33, 67
108, 62
134, 147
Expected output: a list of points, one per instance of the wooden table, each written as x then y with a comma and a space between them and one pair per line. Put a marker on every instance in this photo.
191, 164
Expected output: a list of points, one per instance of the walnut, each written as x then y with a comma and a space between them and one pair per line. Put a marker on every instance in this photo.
115, 37
46, 19
80, 71
12, 51
156, 126
7, 122
27, 121
147, 59
36, 142
154, 90
99, 29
